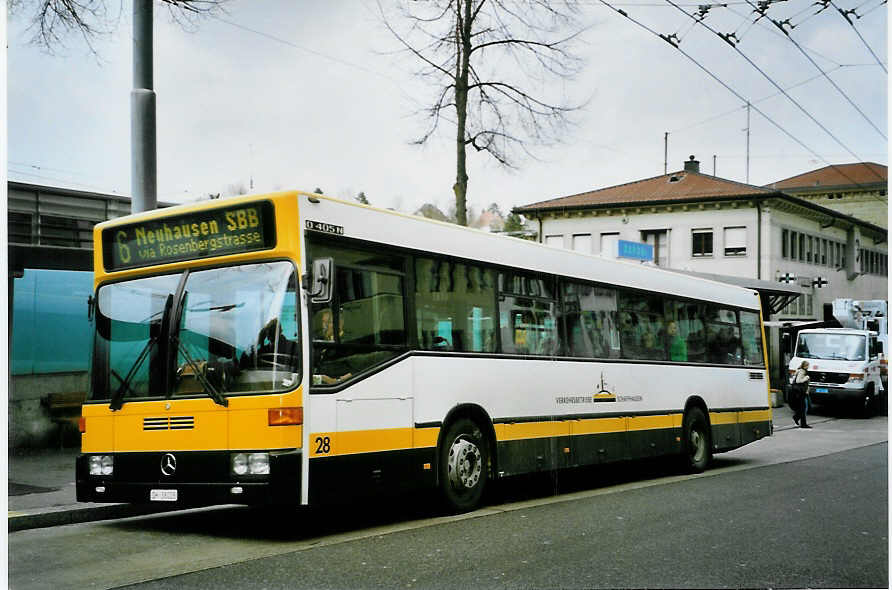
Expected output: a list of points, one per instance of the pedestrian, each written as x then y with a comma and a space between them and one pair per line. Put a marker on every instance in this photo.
799, 395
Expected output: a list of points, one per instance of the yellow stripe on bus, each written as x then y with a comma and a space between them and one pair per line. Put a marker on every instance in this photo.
755, 416
328, 444
719, 418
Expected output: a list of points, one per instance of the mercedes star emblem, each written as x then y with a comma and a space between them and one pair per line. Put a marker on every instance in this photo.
168, 464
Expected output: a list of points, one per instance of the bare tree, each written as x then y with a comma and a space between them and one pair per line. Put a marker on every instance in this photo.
493, 62
52, 21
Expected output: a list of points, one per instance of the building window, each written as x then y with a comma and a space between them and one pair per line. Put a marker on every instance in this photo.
19, 227
555, 241
609, 242
824, 252
801, 248
659, 239
808, 249
701, 242
735, 241
785, 246
66, 231
582, 243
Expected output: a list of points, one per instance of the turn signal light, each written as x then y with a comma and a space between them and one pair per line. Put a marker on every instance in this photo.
82, 424
286, 416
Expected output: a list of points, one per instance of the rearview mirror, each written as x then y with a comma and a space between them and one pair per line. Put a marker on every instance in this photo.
320, 291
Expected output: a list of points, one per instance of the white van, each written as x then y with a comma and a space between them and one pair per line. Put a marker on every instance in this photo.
843, 366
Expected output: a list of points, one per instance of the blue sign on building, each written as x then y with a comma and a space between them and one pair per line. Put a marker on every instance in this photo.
636, 250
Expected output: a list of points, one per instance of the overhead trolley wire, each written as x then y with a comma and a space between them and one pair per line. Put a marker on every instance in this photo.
733, 44
763, 99
854, 28
735, 93
780, 26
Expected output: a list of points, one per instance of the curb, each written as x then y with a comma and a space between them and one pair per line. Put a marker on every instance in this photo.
62, 515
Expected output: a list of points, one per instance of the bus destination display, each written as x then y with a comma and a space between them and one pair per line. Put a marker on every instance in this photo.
214, 232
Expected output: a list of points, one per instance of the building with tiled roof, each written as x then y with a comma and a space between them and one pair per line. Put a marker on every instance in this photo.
705, 224
859, 190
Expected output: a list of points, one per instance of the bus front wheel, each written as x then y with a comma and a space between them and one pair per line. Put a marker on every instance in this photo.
696, 441
464, 465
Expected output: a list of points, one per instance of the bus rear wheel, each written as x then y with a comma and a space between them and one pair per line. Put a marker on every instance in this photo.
696, 441
464, 465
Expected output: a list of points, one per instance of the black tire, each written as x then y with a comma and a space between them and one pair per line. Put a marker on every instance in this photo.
696, 441
869, 402
464, 466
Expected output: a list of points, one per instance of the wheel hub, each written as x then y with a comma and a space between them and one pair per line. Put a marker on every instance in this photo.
465, 464
698, 445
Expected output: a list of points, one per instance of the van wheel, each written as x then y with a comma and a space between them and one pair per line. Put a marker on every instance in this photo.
869, 402
464, 466
696, 441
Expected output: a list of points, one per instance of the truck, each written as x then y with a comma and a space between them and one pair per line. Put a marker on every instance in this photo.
843, 367
870, 314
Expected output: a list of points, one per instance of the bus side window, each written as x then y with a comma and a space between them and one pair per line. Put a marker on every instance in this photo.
590, 321
364, 324
454, 306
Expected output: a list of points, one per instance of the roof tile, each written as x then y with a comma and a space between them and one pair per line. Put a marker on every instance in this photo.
676, 186
837, 175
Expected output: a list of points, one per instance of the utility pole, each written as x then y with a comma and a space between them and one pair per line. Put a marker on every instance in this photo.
666, 153
747, 142
143, 151
713, 164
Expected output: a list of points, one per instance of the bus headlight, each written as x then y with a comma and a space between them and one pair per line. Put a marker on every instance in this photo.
102, 464
856, 377
258, 463
250, 464
240, 464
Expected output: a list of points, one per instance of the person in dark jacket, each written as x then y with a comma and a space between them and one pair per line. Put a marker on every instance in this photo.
799, 395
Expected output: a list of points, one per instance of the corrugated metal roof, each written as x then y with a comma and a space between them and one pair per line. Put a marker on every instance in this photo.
676, 186
837, 176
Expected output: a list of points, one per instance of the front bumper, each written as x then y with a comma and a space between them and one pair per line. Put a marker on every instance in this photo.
824, 393
201, 478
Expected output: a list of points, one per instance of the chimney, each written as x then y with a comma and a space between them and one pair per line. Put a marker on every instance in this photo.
692, 165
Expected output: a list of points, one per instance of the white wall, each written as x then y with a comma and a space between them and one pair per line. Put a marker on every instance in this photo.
680, 225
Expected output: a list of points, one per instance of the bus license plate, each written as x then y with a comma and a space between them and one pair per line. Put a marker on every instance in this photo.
163, 495
817, 390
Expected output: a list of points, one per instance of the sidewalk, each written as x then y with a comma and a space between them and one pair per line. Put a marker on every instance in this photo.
42, 492
42, 489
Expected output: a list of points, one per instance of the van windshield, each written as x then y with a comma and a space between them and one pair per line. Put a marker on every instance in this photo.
846, 347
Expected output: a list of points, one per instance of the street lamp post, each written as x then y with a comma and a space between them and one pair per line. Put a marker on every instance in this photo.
143, 153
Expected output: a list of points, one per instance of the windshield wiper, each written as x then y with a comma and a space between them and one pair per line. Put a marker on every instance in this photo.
117, 400
196, 370
201, 377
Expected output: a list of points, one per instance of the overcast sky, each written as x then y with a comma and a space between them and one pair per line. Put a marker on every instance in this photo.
300, 94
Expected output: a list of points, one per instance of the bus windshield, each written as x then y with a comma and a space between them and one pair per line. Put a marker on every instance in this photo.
844, 347
215, 332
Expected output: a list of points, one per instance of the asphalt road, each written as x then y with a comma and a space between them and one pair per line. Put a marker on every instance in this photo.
803, 508
816, 523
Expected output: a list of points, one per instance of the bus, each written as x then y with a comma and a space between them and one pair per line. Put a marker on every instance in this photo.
295, 348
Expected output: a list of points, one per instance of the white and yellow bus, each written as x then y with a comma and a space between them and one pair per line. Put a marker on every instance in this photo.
295, 348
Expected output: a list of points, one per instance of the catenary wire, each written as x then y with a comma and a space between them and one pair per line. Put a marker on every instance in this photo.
776, 85
857, 32
829, 79
735, 93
